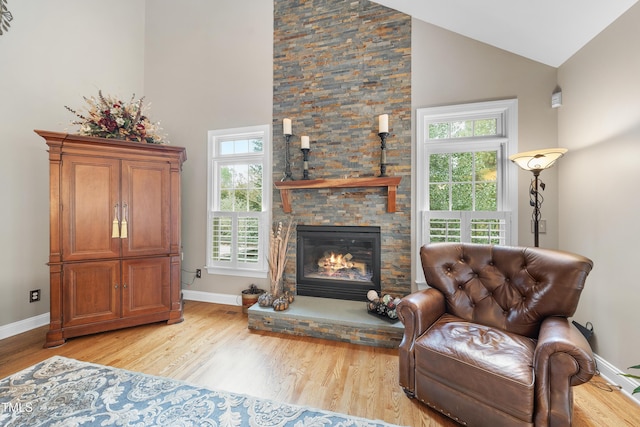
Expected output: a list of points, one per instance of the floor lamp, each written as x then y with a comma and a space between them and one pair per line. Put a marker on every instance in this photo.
536, 161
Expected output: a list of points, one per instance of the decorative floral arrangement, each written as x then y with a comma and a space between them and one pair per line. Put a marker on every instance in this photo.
108, 117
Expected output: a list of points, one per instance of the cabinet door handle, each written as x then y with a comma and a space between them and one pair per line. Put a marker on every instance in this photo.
115, 227
116, 286
124, 285
124, 234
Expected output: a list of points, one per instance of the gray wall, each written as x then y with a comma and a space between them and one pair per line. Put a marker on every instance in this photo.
54, 54
599, 123
208, 67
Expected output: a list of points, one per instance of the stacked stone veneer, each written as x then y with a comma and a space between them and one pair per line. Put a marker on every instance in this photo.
262, 319
338, 65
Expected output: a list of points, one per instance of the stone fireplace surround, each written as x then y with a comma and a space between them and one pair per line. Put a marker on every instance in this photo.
332, 319
337, 66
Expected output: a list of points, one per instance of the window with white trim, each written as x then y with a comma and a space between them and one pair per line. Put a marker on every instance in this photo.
239, 201
466, 190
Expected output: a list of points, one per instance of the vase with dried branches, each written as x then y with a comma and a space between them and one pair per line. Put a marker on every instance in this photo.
278, 246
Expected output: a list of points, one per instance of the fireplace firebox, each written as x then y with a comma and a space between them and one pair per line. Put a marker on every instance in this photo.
341, 262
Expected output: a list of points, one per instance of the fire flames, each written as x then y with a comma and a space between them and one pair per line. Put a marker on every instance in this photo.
332, 263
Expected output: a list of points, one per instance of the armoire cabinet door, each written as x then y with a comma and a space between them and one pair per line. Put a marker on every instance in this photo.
146, 199
91, 292
146, 286
90, 193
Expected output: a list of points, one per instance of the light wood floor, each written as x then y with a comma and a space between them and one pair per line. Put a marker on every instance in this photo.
214, 348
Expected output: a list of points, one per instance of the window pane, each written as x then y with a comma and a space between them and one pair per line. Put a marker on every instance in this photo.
461, 129
438, 130
255, 176
439, 168
240, 201
486, 181
486, 196
226, 177
227, 188
221, 239
240, 176
226, 147
226, 201
486, 127
241, 146
486, 166
461, 167
255, 200
255, 146
439, 197
461, 197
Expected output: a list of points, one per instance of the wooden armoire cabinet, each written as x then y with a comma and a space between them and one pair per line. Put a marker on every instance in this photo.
114, 239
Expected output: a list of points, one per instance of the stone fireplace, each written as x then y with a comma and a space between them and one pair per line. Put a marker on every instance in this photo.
341, 262
337, 67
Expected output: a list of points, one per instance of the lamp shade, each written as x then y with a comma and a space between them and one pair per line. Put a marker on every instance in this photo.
538, 160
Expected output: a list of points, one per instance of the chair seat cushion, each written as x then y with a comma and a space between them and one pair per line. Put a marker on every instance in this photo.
491, 365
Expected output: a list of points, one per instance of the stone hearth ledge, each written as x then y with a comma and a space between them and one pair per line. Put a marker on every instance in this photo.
327, 318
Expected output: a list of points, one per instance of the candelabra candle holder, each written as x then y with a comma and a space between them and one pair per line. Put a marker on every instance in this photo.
287, 159
383, 153
305, 164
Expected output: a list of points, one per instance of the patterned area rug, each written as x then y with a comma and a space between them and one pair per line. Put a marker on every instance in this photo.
66, 392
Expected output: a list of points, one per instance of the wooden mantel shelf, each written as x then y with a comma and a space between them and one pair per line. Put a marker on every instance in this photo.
390, 182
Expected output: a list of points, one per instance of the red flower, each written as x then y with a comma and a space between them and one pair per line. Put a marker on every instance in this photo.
108, 123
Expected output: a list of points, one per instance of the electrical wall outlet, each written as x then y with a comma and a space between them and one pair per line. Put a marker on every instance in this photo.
198, 273
34, 295
542, 226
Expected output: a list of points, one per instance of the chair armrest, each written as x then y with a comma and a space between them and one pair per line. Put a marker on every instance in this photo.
417, 312
557, 335
562, 359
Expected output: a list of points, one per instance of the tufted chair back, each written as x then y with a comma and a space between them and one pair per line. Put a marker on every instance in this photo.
511, 288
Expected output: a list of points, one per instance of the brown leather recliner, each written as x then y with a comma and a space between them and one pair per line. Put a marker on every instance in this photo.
489, 343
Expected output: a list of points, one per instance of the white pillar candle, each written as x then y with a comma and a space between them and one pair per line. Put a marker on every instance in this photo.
383, 123
304, 142
286, 126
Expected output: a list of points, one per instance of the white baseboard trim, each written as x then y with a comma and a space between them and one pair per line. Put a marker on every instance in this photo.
612, 375
226, 299
25, 325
